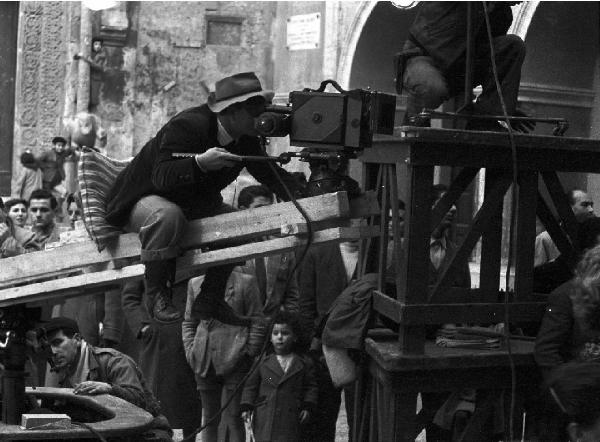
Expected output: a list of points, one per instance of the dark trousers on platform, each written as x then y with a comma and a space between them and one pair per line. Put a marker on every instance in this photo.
428, 87
161, 225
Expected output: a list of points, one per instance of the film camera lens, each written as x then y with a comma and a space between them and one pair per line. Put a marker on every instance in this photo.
271, 124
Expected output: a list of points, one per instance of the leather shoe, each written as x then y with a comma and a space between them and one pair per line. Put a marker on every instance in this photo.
164, 311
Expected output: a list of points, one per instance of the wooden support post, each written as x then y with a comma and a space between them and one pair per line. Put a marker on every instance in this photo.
414, 275
383, 227
528, 190
491, 244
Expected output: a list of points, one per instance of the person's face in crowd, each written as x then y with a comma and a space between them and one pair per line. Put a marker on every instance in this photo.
282, 338
18, 213
74, 213
239, 118
41, 212
260, 201
59, 147
583, 207
97, 46
64, 349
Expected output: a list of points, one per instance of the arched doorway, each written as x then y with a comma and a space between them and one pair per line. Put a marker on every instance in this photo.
560, 76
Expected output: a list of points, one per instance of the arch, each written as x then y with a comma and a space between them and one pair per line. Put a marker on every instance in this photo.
348, 50
521, 21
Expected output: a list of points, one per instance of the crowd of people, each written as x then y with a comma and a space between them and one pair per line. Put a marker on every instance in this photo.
239, 350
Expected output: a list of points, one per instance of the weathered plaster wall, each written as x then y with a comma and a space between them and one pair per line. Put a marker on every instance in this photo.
41, 67
171, 46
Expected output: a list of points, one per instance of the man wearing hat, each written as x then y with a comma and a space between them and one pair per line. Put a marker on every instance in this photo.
91, 370
157, 193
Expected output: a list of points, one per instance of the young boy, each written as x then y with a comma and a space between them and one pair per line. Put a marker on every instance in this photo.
283, 385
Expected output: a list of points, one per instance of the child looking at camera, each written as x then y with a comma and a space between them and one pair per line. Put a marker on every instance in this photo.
279, 395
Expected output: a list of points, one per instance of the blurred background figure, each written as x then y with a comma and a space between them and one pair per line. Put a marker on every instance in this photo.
571, 404
29, 178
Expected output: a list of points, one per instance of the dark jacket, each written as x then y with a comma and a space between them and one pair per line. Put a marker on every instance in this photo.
280, 294
322, 278
154, 171
121, 372
563, 338
440, 29
162, 357
278, 398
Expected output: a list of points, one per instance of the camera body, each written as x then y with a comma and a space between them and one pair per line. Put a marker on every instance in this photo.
331, 121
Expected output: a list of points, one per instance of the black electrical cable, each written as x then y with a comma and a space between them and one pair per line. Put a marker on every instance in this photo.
263, 350
513, 210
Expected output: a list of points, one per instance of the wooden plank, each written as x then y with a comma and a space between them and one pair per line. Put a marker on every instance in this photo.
556, 232
69, 286
423, 314
236, 225
559, 198
193, 260
469, 313
456, 189
387, 306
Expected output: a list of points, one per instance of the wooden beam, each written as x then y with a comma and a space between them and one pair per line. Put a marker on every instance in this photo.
480, 223
471, 312
424, 314
456, 189
559, 198
242, 225
557, 234
193, 260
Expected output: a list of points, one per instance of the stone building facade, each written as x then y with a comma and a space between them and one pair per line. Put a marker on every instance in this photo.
164, 56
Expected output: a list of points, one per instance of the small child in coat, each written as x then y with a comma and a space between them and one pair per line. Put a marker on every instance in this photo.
281, 393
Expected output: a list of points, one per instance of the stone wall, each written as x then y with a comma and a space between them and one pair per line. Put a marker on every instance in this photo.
40, 82
172, 46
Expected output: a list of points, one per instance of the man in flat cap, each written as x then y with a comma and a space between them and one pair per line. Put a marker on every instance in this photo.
92, 370
157, 193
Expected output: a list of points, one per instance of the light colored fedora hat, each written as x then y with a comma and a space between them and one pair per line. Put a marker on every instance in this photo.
235, 89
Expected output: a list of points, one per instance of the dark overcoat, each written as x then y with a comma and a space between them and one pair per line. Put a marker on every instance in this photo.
278, 398
155, 171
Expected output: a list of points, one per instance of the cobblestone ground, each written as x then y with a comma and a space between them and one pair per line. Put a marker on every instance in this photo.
341, 434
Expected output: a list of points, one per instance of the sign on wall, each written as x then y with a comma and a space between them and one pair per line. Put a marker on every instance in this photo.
303, 32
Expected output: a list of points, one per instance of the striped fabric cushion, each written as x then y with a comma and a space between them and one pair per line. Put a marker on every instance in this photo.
97, 173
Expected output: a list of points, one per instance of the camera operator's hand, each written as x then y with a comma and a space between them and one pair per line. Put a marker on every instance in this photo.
522, 126
4, 232
216, 158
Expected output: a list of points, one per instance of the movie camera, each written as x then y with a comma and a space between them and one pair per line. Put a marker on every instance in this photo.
323, 121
